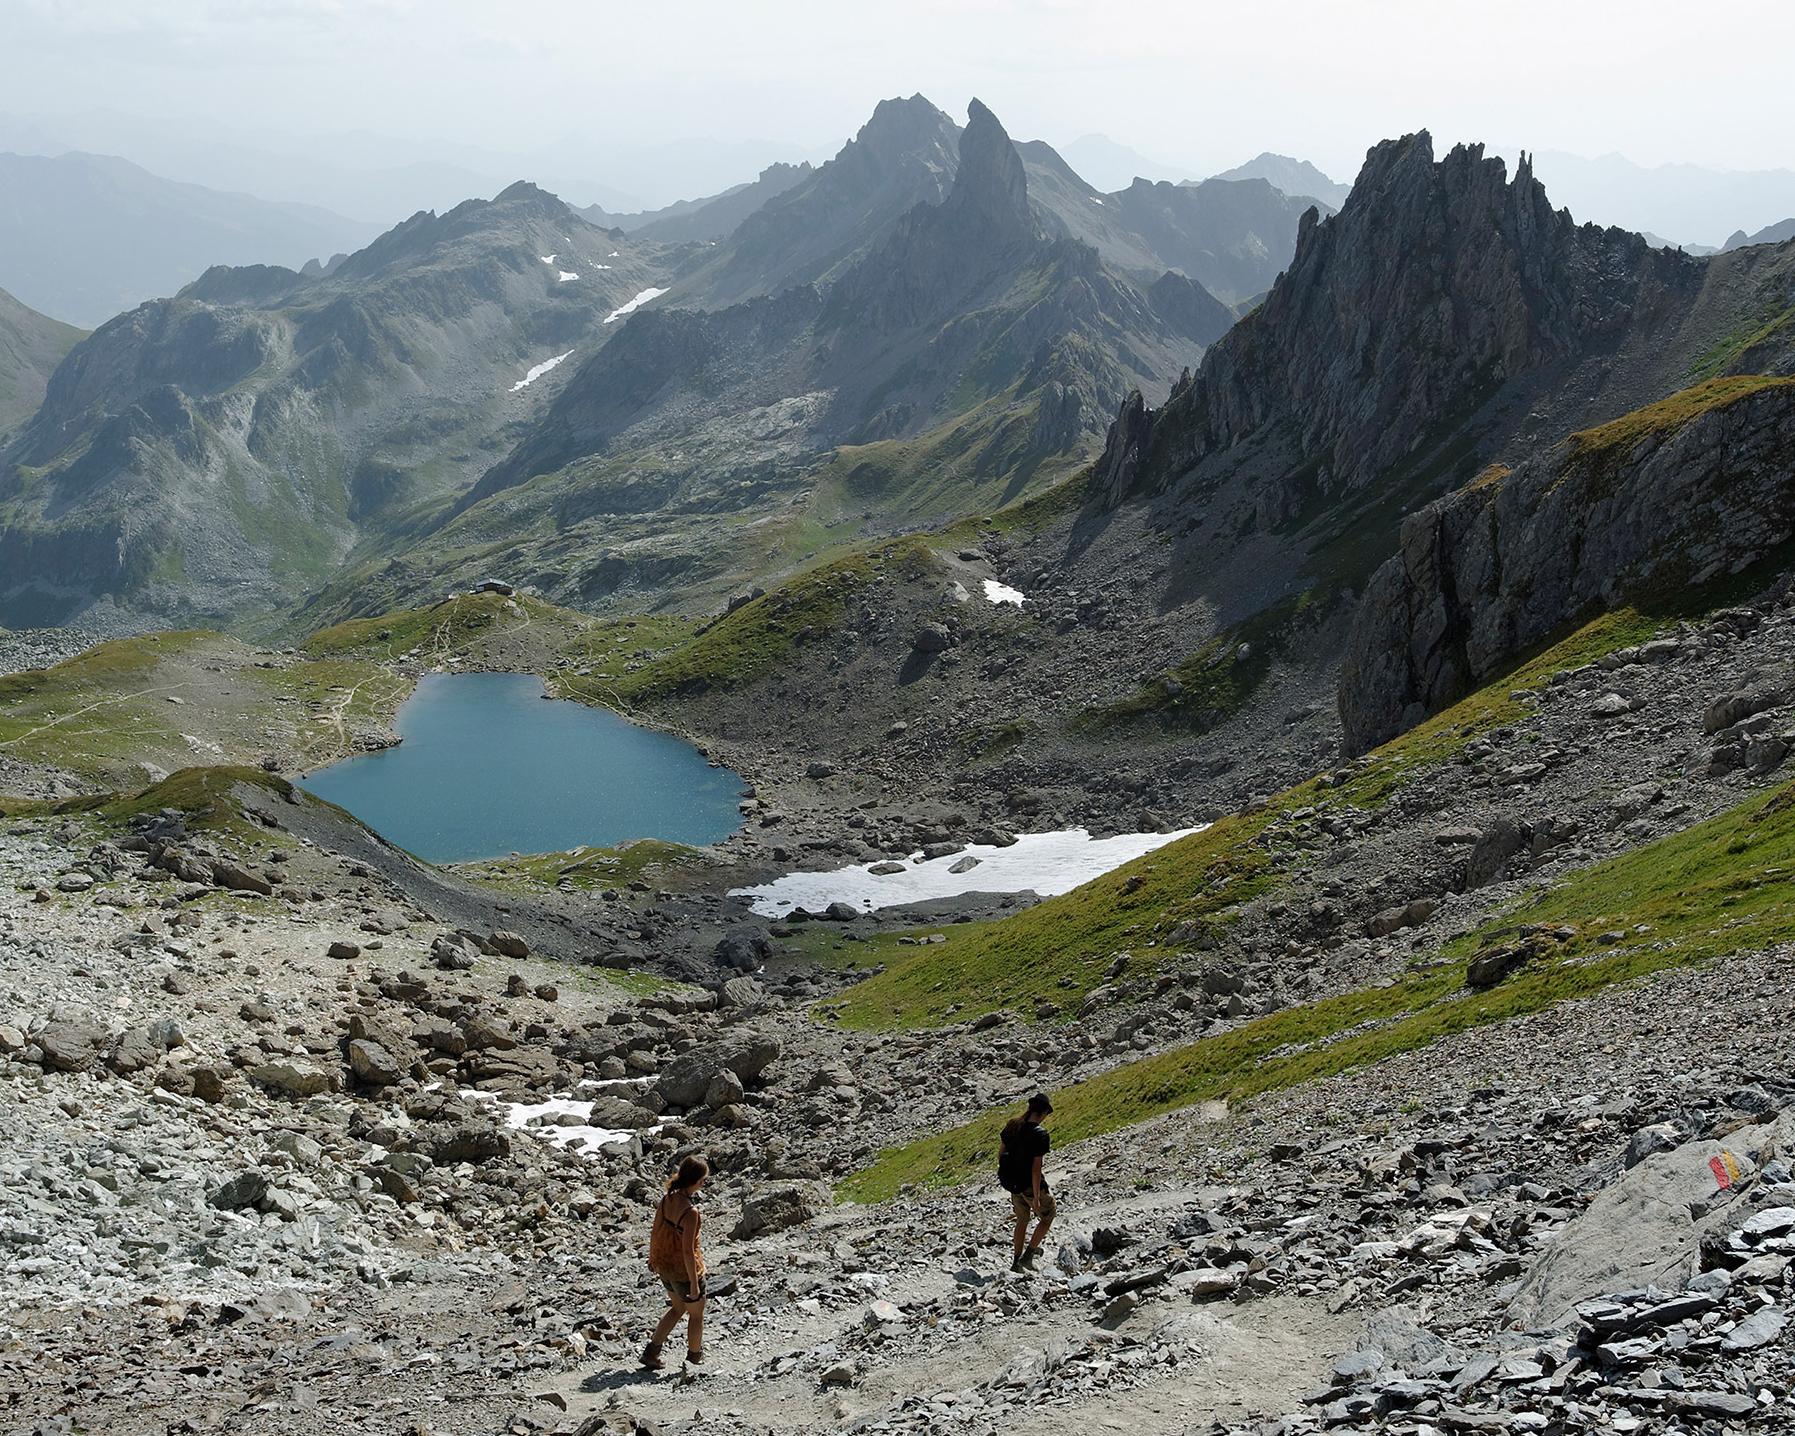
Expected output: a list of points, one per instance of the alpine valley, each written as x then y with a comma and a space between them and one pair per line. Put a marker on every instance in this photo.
1301, 673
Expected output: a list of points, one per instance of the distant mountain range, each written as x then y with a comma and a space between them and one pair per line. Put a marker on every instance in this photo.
1111, 165
707, 219
1771, 234
884, 340
84, 237
221, 452
1693, 205
657, 408
1294, 177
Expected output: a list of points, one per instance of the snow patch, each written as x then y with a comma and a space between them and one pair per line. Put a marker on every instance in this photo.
1044, 863
537, 371
1002, 593
634, 304
565, 274
519, 1115
546, 258
1095, 200
611, 255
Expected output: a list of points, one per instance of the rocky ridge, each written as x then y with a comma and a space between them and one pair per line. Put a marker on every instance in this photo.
1668, 506
1398, 319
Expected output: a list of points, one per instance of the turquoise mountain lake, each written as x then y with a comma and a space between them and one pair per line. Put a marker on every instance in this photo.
488, 767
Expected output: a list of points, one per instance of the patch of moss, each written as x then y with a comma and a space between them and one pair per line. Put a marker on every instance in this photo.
988, 741
1721, 886
1670, 414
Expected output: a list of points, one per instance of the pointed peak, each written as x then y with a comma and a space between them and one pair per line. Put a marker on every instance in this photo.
992, 185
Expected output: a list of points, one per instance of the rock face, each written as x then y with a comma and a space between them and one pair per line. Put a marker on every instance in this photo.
1685, 491
1397, 318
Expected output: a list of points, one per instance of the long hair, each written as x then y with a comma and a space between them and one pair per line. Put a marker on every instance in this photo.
692, 1171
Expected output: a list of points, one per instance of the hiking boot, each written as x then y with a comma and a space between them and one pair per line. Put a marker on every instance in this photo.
1030, 1258
1017, 1266
695, 1356
651, 1356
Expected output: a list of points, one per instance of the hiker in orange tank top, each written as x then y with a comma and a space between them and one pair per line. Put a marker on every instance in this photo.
675, 1256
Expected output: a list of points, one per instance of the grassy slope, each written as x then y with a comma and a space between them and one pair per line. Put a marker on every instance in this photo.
973, 464
468, 625
168, 698
99, 708
585, 867
1719, 887
1060, 947
756, 637
205, 795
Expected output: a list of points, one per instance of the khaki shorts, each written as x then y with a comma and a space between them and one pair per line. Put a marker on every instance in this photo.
1025, 1209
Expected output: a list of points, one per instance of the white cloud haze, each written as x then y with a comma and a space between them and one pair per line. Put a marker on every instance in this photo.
1196, 86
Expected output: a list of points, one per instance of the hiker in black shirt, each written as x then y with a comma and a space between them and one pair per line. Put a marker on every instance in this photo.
1025, 1143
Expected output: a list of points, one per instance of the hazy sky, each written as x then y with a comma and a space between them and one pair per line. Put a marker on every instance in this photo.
1196, 85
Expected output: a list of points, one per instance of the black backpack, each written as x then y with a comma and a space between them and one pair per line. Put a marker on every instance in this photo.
1015, 1172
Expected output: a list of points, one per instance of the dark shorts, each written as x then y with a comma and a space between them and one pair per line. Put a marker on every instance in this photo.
677, 1287
1024, 1208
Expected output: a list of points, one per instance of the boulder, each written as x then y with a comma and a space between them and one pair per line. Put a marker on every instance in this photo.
210, 1083
134, 1050
1499, 842
774, 1211
688, 1077
725, 1090
1394, 919
448, 1143
246, 1189
1731, 708
226, 874
932, 638
741, 993
743, 951
620, 1114
295, 1077
72, 1046
509, 944
1647, 1226
344, 951
373, 1064
453, 953
1492, 964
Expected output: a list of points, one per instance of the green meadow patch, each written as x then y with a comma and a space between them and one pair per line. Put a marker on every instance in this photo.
1719, 887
